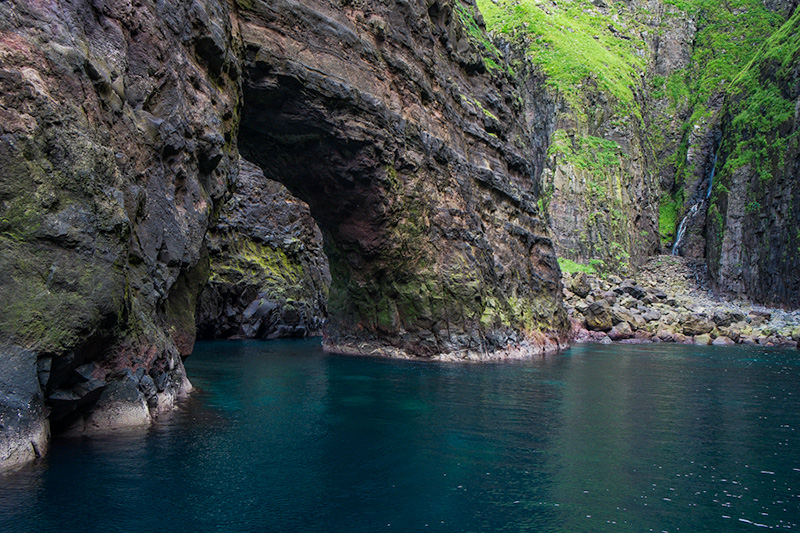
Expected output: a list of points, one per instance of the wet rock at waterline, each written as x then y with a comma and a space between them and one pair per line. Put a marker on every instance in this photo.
117, 138
24, 428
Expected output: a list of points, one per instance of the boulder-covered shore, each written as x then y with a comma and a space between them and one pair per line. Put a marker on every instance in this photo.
669, 300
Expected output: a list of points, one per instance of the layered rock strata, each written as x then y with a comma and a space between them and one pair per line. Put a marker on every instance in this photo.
117, 137
120, 123
418, 169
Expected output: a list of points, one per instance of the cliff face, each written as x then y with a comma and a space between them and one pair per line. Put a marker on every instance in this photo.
430, 158
118, 150
417, 168
117, 137
754, 218
600, 182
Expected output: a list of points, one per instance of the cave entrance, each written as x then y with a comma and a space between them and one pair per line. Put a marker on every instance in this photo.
428, 218
328, 154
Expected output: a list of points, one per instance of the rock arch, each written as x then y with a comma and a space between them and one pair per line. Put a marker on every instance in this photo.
418, 172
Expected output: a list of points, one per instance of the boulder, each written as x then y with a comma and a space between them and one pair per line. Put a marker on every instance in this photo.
621, 331
659, 294
580, 284
121, 405
598, 316
704, 339
665, 336
651, 315
24, 429
620, 314
722, 318
630, 287
722, 341
695, 324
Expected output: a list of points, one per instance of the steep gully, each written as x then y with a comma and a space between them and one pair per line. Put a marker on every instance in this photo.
676, 248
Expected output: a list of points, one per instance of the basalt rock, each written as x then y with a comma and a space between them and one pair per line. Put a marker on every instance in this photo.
598, 316
269, 277
24, 428
119, 124
117, 136
696, 325
754, 242
690, 312
417, 165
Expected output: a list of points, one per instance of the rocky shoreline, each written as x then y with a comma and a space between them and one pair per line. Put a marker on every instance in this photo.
671, 301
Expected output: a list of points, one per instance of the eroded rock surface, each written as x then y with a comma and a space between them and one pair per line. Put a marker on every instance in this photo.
418, 168
24, 428
754, 219
119, 124
116, 140
269, 277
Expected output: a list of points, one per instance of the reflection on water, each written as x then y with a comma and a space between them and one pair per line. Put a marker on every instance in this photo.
282, 437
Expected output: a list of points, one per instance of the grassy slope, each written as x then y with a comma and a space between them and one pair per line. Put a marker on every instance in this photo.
574, 42
759, 107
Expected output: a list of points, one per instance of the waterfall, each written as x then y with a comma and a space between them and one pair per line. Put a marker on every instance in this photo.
682, 228
693, 211
711, 179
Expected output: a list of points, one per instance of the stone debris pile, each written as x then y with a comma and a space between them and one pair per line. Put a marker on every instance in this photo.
670, 301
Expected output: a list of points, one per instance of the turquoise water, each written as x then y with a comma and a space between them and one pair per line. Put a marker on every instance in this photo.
282, 437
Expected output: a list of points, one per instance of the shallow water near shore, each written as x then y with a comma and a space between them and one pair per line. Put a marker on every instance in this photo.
279, 436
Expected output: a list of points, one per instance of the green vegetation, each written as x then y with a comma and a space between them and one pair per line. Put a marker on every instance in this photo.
729, 33
594, 58
729, 36
571, 267
574, 44
760, 107
667, 219
490, 53
594, 154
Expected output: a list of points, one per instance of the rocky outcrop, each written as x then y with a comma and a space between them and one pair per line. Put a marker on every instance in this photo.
116, 140
393, 121
24, 430
725, 41
269, 277
408, 146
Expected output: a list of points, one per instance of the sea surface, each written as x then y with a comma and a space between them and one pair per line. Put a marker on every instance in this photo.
279, 436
